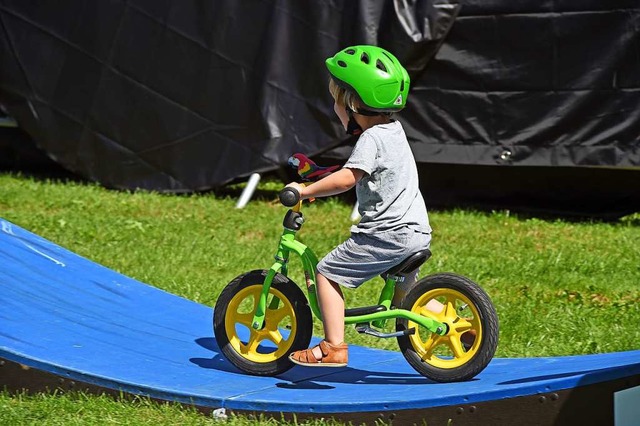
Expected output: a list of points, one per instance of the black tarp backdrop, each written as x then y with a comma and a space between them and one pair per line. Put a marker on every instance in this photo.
188, 95
531, 105
522, 100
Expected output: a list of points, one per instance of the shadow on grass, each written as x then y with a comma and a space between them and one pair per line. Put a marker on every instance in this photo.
529, 213
272, 182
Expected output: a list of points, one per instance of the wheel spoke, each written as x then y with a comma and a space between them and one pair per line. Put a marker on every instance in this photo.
272, 321
462, 325
244, 319
275, 336
276, 316
449, 308
430, 345
253, 343
456, 346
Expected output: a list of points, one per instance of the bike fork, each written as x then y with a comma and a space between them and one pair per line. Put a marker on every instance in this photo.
261, 308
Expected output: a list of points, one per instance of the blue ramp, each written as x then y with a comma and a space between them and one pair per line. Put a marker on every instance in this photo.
63, 315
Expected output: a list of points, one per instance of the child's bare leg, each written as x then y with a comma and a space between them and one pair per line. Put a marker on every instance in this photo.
331, 303
434, 306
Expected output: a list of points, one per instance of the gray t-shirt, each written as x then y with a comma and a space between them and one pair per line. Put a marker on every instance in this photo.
389, 198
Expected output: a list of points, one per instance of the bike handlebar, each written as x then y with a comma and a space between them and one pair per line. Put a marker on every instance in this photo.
289, 197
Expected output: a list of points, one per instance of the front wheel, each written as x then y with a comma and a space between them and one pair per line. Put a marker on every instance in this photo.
287, 325
472, 323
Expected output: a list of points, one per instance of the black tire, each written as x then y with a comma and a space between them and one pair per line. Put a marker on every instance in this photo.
447, 358
243, 346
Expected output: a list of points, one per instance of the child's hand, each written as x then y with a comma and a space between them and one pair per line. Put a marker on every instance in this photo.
298, 187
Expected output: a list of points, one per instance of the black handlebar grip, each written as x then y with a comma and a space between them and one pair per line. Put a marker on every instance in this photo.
289, 196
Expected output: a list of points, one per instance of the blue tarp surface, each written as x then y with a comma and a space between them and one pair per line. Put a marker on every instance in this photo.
66, 315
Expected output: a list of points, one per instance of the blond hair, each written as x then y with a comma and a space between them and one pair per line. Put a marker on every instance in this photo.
342, 96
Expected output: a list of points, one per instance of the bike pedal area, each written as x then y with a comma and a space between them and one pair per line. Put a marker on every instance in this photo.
365, 328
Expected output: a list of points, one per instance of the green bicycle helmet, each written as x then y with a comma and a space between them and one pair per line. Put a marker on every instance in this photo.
374, 74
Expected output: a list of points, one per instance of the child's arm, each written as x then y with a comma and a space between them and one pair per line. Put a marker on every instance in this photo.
336, 183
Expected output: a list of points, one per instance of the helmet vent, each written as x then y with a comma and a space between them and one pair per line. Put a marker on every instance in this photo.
342, 64
402, 86
381, 66
350, 51
364, 58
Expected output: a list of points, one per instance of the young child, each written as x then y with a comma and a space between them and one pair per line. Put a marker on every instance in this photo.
368, 84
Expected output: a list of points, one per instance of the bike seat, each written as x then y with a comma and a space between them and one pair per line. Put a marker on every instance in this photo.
411, 263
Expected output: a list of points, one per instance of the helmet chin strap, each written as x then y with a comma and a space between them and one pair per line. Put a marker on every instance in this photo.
353, 128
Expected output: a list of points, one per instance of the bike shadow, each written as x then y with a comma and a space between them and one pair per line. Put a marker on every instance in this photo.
217, 362
348, 375
307, 378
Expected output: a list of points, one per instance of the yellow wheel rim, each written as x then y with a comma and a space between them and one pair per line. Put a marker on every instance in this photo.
461, 316
276, 337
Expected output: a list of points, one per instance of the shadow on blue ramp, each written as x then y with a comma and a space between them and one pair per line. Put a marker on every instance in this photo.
66, 316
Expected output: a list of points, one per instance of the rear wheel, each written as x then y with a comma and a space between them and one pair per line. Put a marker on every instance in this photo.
472, 322
287, 325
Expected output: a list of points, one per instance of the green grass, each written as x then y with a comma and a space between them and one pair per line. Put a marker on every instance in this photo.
560, 288
81, 409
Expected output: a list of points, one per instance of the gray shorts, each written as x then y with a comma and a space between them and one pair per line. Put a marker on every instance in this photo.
364, 256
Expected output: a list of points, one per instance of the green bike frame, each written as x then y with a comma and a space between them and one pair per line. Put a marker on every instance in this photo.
288, 244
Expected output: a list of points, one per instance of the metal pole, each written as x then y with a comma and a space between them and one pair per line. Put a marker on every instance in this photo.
248, 190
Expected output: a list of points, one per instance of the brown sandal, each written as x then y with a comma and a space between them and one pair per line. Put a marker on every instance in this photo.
332, 356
